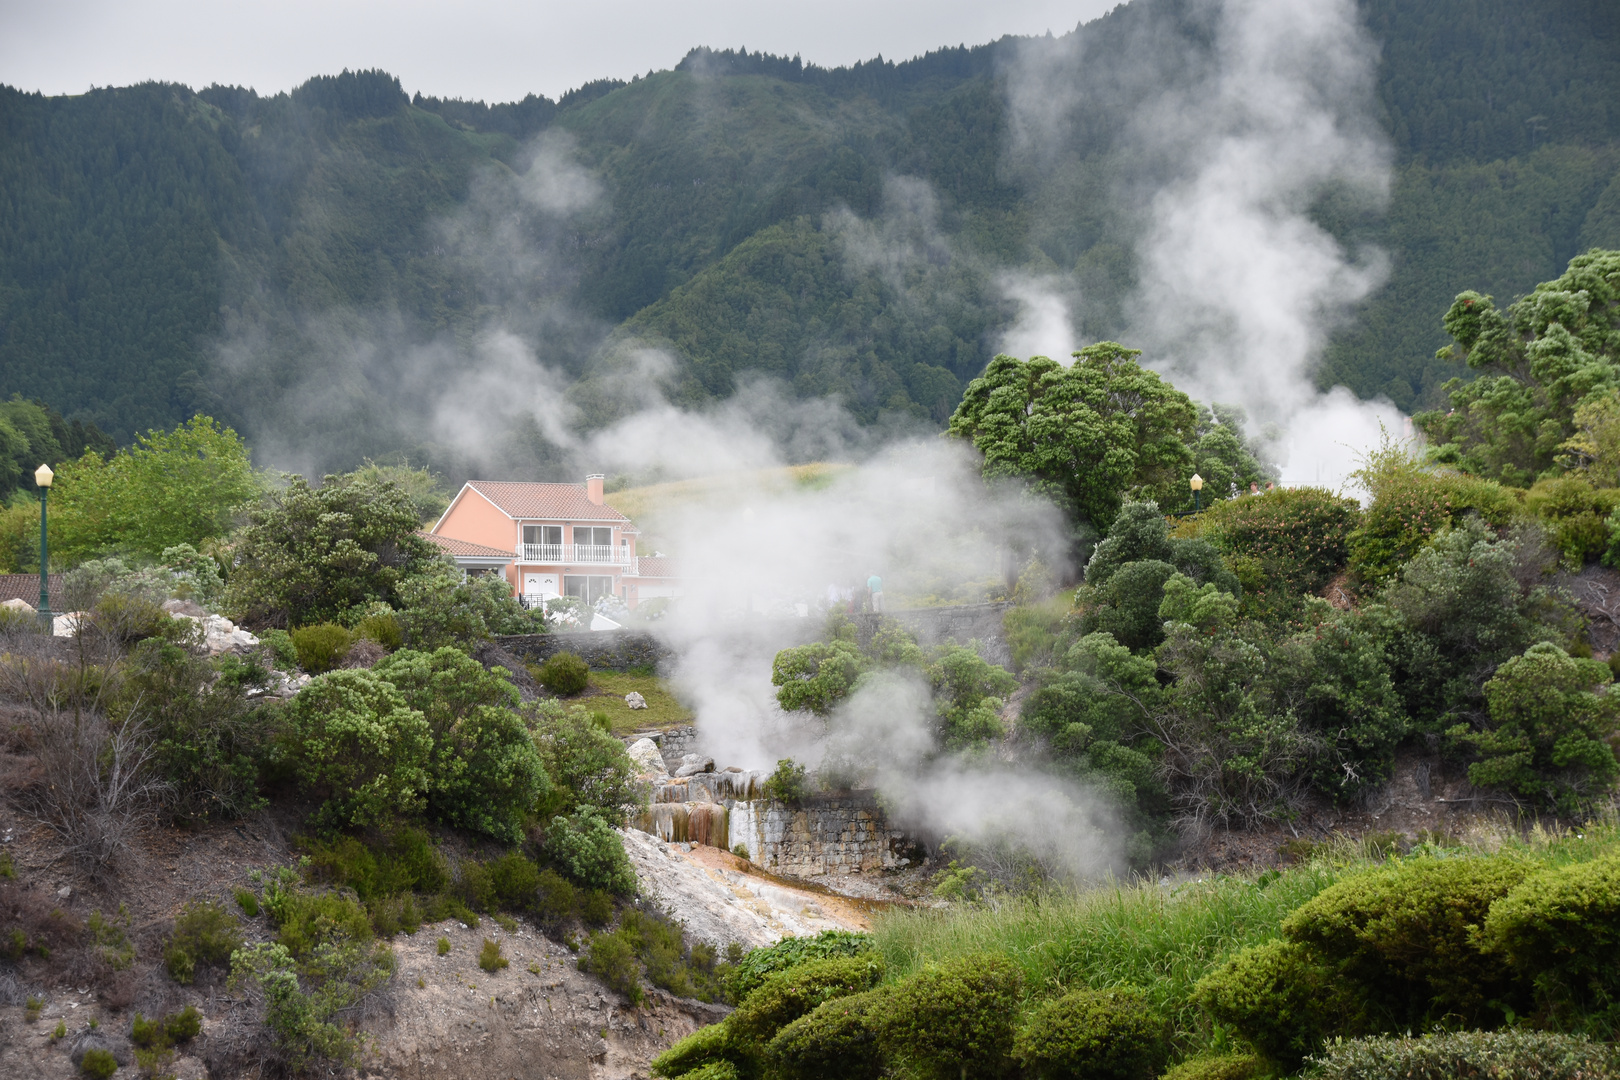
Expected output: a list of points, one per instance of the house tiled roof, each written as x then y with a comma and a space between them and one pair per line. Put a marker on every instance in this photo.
549, 502
466, 547
657, 566
26, 587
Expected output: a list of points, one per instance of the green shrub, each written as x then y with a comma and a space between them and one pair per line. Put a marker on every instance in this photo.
1412, 503
588, 767
247, 902
144, 1032
484, 771
1551, 731
307, 920
321, 647
1559, 930
951, 1019
1406, 932
1282, 999
565, 674
586, 848
704, 1047
1509, 1055
444, 946
596, 907
98, 1064
355, 743
1299, 536
611, 957
788, 995
1092, 1035
714, 1070
817, 676
1220, 1067
490, 958
282, 652
182, 1026
383, 628
304, 1001
204, 933
555, 898
787, 784
831, 1042
759, 964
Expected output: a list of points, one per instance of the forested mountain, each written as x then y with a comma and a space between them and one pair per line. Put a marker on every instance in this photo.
307, 265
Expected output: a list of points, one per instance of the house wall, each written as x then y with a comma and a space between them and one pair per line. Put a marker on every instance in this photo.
476, 520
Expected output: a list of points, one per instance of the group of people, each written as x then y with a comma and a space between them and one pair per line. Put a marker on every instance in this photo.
853, 597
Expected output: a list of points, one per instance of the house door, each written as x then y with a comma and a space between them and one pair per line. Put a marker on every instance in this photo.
543, 585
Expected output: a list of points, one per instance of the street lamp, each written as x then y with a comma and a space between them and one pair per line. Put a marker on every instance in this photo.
1197, 485
43, 477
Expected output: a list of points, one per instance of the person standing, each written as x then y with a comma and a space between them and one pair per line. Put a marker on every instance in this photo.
874, 585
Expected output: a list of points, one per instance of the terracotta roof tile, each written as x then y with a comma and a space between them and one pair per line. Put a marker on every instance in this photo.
550, 502
26, 587
657, 566
466, 547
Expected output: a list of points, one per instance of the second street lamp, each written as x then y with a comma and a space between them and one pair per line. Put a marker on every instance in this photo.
1197, 485
43, 477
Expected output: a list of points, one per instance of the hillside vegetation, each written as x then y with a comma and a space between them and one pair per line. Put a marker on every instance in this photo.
165, 250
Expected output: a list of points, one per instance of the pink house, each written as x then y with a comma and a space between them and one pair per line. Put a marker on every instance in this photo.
550, 540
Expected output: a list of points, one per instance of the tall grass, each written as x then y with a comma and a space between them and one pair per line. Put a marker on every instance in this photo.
1163, 938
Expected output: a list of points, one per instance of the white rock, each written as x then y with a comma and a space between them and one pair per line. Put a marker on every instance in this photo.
16, 604
220, 635
644, 752
67, 624
635, 700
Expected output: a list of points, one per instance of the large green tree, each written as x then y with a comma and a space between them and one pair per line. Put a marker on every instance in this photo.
1538, 360
1084, 435
312, 554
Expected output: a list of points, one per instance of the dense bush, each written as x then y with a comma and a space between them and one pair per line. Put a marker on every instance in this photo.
831, 1042
1126, 576
1575, 514
484, 772
322, 646
98, 1064
381, 627
1283, 999
705, 1046
1412, 503
951, 1019
787, 995
565, 674
1551, 731
759, 964
207, 740
1299, 537
439, 607
1463, 1055
358, 747
787, 784
204, 933
817, 676
968, 692
1231, 1066
1092, 1035
588, 767
1559, 930
585, 847
309, 555
1406, 932
612, 958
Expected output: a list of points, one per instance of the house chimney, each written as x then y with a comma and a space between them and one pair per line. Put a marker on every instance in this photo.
593, 488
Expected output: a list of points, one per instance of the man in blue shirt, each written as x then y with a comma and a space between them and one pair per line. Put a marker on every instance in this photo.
874, 585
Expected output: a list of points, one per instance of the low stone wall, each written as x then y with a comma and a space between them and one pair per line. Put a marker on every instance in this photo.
605, 650
839, 834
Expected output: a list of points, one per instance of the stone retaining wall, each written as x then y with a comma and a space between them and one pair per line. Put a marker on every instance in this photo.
844, 834
605, 650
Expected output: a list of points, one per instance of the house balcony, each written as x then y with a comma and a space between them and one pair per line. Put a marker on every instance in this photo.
575, 554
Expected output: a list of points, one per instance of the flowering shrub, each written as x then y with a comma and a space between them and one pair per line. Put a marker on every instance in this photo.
1300, 537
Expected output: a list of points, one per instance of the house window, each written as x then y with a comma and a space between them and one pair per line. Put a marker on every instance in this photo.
542, 534
598, 537
588, 588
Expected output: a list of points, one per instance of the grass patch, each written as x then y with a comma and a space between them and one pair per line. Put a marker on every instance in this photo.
606, 692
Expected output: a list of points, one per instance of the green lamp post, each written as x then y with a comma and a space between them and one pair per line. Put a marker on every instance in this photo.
1197, 485
43, 477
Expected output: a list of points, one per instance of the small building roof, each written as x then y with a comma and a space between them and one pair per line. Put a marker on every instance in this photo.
659, 566
551, 502
466, 548
26, 587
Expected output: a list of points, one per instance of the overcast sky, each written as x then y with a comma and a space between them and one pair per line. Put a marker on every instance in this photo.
495, 50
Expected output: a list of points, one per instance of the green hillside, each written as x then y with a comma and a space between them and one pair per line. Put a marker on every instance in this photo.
317, 264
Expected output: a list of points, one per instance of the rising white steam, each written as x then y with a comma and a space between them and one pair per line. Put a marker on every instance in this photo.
1238, 288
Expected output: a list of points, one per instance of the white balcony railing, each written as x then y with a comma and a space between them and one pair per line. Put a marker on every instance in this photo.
575, 554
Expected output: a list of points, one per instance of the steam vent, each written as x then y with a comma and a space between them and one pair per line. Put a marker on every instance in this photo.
693, 802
